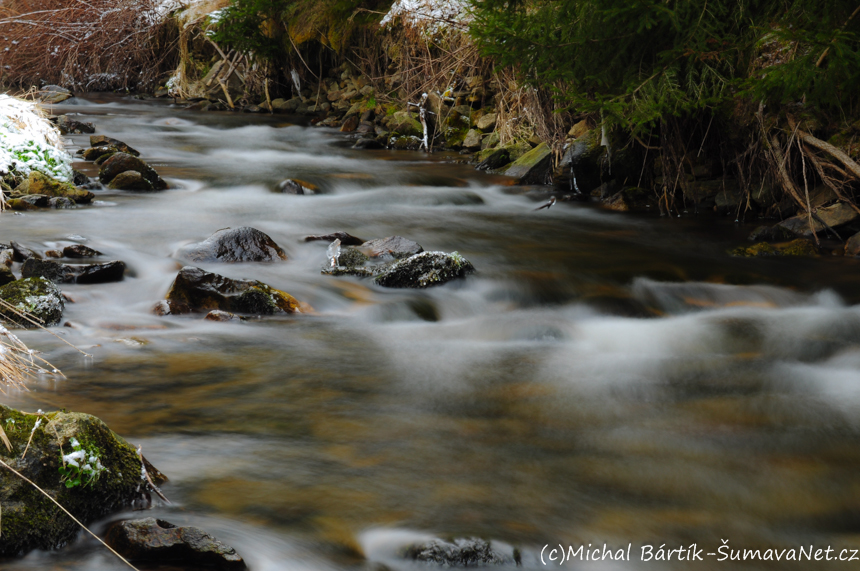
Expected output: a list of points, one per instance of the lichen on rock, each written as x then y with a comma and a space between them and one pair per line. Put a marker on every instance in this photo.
36, 297
424, 270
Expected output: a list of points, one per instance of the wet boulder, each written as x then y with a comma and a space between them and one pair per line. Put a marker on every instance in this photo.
37, 297
852, 246
69, 126
581, 166
157, 541
533, 167
231, 245
95, 153
62, 273
6, 256
52, 271
100, 273
494, 159
833, 216
468, 552
775, 233
124, 162
38, 183
20, 253
424, 270
800, 247
393, 247
130, 180
196, 290
345, 239
78, 461
53, 94
80, 251
296, 186
6, 275
218, 315
102, 141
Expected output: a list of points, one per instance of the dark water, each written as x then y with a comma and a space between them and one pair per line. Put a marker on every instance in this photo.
603, 378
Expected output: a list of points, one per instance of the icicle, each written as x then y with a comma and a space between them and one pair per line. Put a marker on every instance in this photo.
333, 253
297, 83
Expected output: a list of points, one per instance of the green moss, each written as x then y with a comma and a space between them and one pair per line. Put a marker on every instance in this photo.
29, 519
756, 250
37, 297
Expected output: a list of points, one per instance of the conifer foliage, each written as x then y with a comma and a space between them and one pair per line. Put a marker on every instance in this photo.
641, 61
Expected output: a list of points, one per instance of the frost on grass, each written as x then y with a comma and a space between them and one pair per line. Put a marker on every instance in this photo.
29, 142
430, 15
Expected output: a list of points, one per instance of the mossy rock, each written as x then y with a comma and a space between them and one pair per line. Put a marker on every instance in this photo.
196, 290
36, 297
796, 248
30, 520
38, 183
122, 162
6, 275
533, 167
425, 270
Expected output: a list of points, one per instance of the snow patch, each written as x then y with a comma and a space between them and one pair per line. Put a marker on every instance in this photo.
430, 15
29, 142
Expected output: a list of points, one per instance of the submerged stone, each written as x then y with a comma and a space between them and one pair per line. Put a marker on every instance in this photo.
196, 290
345, 239
468, 552
36, 297
296, 186
158, 541
800, 247
424, 270
29, 519
232, 245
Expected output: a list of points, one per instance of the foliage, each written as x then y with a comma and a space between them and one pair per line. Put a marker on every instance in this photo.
82, 466
644, 60
269, 29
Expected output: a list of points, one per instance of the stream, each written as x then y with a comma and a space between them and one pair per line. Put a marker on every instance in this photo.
602, 378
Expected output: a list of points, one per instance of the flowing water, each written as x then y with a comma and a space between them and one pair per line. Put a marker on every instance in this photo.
602, 378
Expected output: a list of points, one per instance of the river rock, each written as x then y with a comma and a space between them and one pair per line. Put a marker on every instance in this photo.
63, 273
391, 247
800, 248
852, 246
96, 153
584, 160
53, 94
101, 273
20, 253
834, 216
102, 141
494, 159
38, 183
487, 122
345, 239
424, 270
6, 256
36, 297
80, 251
296, 186
533, 167
367, 144
157, 541
231, 245
472, 141
20, 205
218, 315
469, 552
69, 126
774, 233
29, 519
50, 270
6, 275
195, 290
123, 162
130, 180
61, 202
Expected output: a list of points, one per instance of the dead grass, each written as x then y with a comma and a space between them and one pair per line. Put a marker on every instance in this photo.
85, 45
